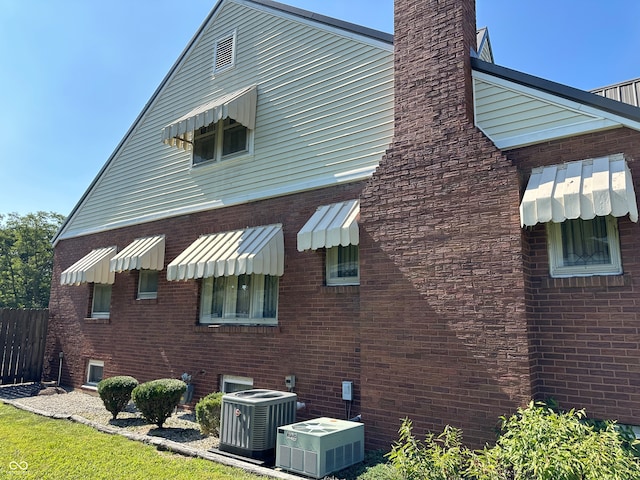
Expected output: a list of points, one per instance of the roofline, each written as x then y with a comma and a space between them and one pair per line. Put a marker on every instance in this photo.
564, 91
368, 32
333, 22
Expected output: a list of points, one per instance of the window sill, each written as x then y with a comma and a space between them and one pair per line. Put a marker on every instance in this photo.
150, 301
254, 329
98, 321
91, 389
343, 288
596, 281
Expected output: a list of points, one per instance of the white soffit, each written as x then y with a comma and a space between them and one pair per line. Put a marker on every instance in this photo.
513, 115
92, 268
330, 226
257, 250
583, 189
147, 253
239, 106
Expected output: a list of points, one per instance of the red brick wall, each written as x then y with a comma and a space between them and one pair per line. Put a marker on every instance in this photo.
317, 337
587, 330
444, 330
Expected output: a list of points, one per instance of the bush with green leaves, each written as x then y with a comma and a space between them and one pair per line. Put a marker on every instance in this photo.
441, 457
157, 399
115, 392
208, 413
540, 443
536, 443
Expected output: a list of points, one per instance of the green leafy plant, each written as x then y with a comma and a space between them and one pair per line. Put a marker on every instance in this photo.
540, 443
208, 413
441, 457
382, 471
157, 399
115, 392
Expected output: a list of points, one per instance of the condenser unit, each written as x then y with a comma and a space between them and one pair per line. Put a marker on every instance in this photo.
249, 420
319, 447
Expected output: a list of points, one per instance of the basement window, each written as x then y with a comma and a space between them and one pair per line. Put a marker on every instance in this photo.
232, 383
95, 371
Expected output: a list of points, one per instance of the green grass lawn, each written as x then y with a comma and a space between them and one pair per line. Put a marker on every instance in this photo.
35, 447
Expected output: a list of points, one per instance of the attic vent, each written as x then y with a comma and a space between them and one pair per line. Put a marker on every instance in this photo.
225, 52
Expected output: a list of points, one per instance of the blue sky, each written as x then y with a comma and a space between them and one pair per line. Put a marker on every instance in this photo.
76, 73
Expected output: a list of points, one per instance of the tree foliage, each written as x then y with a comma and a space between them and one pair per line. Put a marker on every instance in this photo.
26, 258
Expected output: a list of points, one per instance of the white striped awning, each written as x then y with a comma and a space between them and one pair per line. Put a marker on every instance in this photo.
239, 106
257, 250
147, 253
583, 189
92, 268
330, 226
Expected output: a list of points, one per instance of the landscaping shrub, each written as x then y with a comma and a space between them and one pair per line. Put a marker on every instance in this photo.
441, 457
382, 471
115, 393
537, 443
157, 399
540, 443
208, 413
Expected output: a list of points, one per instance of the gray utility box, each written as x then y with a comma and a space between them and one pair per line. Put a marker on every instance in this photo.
319, 447
249, 421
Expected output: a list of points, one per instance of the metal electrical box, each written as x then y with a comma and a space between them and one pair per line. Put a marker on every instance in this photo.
319, 447
249, 420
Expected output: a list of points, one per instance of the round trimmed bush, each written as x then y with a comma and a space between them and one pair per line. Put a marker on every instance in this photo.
208, 413
115, 392
157, 399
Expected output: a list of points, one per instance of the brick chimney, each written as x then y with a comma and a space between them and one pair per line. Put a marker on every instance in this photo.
442, 282
433, 44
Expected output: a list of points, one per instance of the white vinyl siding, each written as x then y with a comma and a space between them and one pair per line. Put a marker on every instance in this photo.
513, 115
324, 117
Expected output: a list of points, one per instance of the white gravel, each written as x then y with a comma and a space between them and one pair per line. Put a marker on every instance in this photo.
181, 427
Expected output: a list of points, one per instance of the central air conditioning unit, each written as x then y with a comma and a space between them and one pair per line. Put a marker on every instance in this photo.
249, 421
319, 447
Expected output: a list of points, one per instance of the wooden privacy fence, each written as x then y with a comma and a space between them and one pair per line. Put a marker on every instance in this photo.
23, 334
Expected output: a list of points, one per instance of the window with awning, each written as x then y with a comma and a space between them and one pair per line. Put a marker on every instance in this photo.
583, 189
335, 228
580, 203
216, 129
257, 250
142, 253
146, 255
239, 271
92, 268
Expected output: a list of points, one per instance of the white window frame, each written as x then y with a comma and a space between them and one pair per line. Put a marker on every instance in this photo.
94, 363
557, 269
246, 383
218, 134
216, 50
331, 267
147, 294
94, 312
229, 301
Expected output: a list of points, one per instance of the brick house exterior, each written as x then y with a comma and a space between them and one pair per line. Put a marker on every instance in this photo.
456, 319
